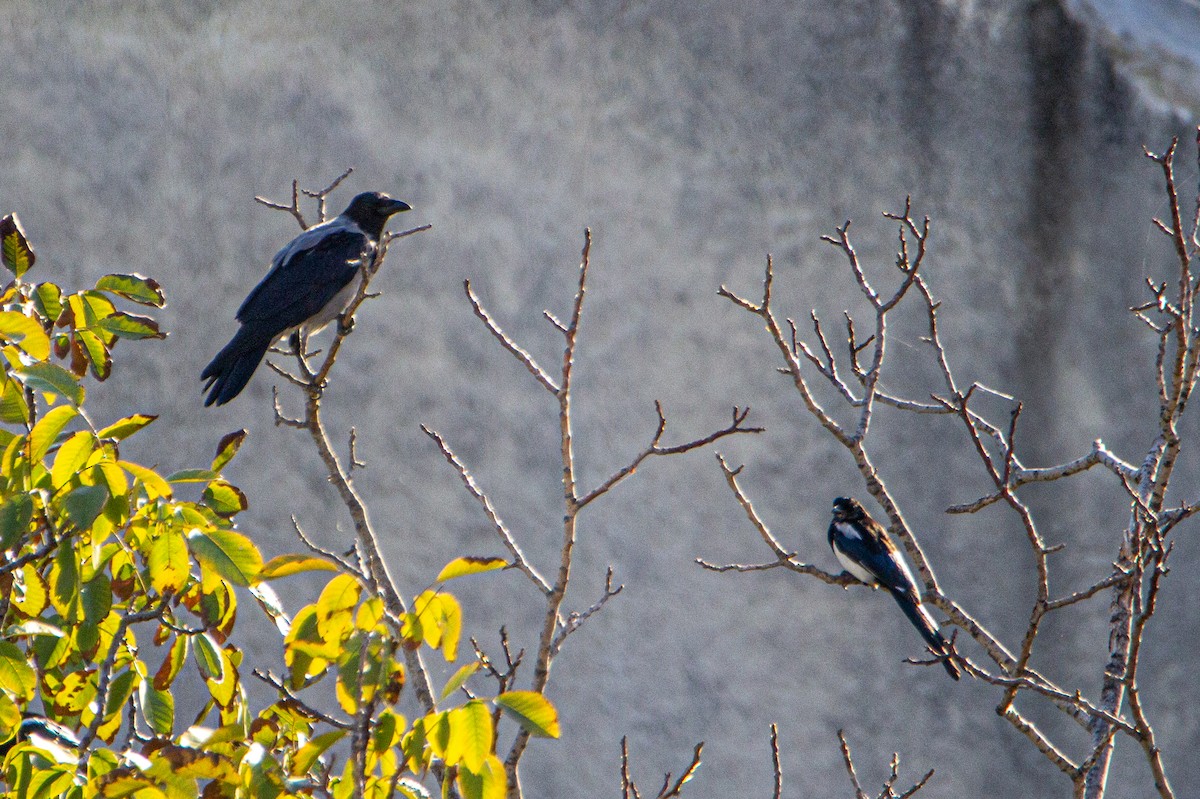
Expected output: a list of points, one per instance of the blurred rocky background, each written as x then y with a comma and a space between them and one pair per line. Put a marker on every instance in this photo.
694, 139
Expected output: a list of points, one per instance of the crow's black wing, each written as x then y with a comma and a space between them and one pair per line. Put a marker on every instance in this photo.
867, 544
308, 273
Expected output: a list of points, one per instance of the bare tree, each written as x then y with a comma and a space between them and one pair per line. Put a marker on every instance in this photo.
558, 625
857, 376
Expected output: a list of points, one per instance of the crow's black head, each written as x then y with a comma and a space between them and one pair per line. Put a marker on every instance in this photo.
370, 211
847, 509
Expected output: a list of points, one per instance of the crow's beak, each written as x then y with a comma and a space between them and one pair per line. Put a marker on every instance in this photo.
396, 206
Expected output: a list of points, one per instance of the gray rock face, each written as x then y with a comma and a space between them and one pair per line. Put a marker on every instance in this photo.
693, 139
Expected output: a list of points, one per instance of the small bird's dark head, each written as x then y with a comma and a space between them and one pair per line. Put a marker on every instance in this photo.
371, 209
847, 509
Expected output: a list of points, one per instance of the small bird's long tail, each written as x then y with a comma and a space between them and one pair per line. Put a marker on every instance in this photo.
231, 369
928, 629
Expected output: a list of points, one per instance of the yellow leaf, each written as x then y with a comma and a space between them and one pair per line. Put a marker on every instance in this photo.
460, 567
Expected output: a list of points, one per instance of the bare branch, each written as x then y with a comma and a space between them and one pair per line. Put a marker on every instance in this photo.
506, 537
575, 620
784, 558
520, 354
776, 766
859, 793
655, 448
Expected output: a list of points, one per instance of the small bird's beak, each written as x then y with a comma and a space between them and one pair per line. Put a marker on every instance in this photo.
396, 206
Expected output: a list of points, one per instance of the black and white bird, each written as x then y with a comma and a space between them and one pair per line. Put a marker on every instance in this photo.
865, 550
55, 741
310, 283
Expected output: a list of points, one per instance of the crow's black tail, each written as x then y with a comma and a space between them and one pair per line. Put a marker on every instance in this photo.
928, 629
231, 370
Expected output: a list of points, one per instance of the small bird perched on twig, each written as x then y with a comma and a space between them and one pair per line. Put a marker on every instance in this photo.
310, 283
864, 549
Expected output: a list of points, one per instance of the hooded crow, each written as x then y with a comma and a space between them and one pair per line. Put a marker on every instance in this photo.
863, 547
310, 283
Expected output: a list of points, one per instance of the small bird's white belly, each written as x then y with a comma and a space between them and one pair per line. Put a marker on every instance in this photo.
849, 565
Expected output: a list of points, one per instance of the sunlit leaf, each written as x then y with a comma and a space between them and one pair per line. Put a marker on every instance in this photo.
172, 663
64, 583
158, 708
124, 428
16, 676
140, 289
72, 454
13, 406
25, 333
227, 447
532, 711
168, 564
339, 597
229, 554
15, 250
459, 679
96, 352
153, 483
131, 326
191, 476
30, 594
287, 565
225, 498
306, 758
50, 378
460, 567
10, 717
47, 301
489, 782
46, 431
471, 726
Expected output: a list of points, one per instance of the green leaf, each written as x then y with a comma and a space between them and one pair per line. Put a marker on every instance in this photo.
224, 498
192, 476
471, 726
119, 690
532, 711
158, 708
460, 567
229, 554
459, 679
149, 479
13, 407
47, 301
10, 717
208, 657
97, 354
16, 676
131, 326
490, 782
338, 598
227, 448
72, 455
15, 515
26, 333
52, 379
172, 664
15, 251
287, 565
46, 431
306, 758
96, 598
135, 287
65, 583
169, 564
83, 504
124, 428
